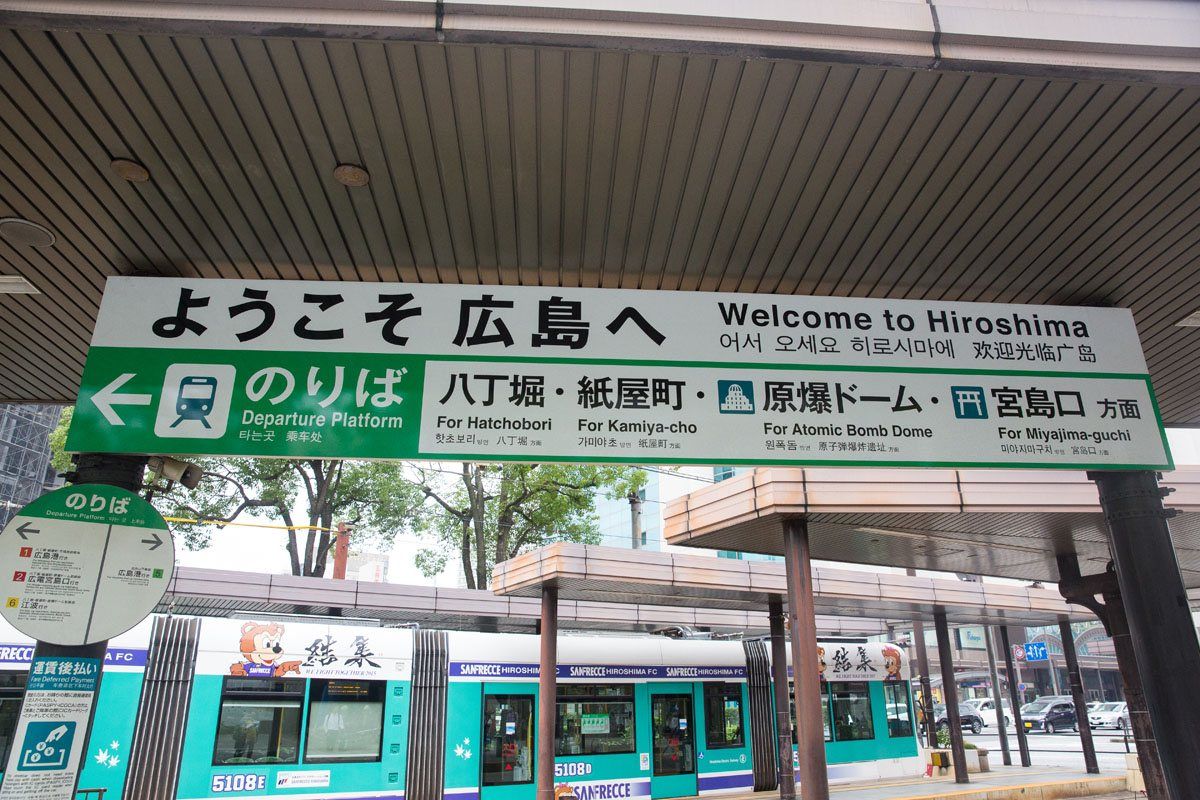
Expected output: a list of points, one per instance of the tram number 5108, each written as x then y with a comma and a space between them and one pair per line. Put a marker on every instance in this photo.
239, 782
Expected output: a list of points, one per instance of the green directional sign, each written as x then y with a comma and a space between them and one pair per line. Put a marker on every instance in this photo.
83, 564
400, 371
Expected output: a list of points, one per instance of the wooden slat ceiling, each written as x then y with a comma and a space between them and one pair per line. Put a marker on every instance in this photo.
583, 167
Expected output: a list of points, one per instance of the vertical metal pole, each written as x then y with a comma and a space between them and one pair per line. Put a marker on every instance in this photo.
547, 693
814, 778
1139, 718
926, 684
1161, 628
1015, 697
783, 714
1077, 698
988, 639
950, 695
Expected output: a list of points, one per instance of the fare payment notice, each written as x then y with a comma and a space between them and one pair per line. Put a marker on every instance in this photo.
394, 371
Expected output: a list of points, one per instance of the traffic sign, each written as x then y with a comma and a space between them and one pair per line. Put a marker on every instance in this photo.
83, 564
1018, 652
520, 373
1020, 687
1036, 651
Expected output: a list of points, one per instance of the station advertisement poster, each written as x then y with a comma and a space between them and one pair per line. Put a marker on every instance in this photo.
49, 737
496, 373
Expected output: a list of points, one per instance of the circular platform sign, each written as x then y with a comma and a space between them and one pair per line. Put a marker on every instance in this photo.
83, 564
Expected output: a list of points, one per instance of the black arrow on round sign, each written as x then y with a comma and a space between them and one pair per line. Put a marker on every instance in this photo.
25, 528
154, 543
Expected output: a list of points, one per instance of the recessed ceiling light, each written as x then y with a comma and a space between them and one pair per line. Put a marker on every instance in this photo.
351, 175
15, 284
23, 233
131, 171
1192, 320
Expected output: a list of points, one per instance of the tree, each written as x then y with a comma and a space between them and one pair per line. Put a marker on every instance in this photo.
374, 496
490, 513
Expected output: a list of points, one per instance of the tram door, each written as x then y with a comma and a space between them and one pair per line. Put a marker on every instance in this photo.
673, 742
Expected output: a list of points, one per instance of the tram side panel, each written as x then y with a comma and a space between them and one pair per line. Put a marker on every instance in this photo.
105, 761
284, 708
869, 721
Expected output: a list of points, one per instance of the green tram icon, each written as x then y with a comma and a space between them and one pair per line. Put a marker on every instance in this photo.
195, 399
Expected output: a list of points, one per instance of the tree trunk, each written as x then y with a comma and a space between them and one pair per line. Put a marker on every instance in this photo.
478, 521
504, 515
293, 546
468, 574
325, 542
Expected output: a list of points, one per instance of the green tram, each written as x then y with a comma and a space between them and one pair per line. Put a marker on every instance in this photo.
205, 708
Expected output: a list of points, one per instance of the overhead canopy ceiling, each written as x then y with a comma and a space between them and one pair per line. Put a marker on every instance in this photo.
501, 156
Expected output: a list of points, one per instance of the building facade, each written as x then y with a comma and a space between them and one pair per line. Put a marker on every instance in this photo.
25, 471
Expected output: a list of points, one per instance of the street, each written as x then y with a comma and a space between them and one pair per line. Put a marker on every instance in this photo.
1059, 749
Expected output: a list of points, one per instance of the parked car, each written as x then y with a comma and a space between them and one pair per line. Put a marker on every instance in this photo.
986, 708
1049, 715
969, 718
1109, 715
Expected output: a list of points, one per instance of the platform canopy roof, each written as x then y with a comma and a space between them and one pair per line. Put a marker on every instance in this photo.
964, 150
979, 522
225, 593
588, 573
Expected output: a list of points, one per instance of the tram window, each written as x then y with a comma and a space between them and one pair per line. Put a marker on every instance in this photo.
594, 719
345, 721
507, 739
899, 715
851, 711
259, 721
12, 688
824, 711
723, 715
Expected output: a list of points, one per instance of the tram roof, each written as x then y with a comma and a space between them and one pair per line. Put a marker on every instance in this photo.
1041, 153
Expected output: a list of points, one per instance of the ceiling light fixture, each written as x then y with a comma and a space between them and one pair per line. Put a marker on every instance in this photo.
1192, 320
15, 284
351, 175
23, 233
129, 170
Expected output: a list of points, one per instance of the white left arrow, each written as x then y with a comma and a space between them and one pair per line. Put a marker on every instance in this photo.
108, 397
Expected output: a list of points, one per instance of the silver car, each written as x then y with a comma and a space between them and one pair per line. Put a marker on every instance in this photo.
1109, 715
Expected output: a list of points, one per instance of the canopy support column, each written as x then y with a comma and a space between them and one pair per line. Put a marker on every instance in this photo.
1161, 628
994, 675
783, 714
814, 778
547, 693
926, 684
950, 697
1080, 702
1014, 697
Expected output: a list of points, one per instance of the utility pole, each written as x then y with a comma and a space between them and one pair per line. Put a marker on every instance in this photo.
341, 550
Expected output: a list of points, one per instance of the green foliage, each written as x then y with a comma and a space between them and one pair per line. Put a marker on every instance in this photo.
490, 513
943, 736
59, 459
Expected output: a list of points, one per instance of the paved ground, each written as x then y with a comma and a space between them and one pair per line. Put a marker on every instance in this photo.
999, 778
1060, 749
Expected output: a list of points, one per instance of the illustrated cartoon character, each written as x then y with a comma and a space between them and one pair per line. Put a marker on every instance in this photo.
891, 663
260, 647
821, 662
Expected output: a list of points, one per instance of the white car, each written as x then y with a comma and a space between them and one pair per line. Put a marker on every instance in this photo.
1109, 715
986, 708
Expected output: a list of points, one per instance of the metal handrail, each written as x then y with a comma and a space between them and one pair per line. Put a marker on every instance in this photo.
98, 794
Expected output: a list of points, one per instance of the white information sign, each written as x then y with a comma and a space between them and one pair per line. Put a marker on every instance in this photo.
50, 736
83, 564
358, 370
